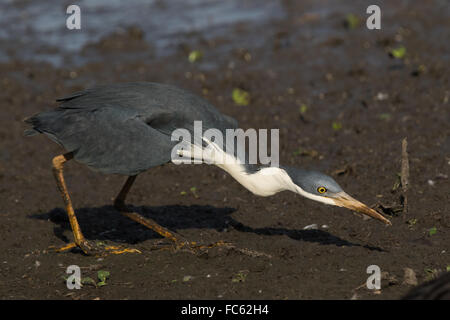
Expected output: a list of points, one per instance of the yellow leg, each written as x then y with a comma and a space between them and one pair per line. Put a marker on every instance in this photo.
119, 204
58, 163
79, 240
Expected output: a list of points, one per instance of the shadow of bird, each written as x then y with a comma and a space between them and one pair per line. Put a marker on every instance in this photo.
104, 223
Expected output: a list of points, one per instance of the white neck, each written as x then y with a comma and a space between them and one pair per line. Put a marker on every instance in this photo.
264, 182
268, 181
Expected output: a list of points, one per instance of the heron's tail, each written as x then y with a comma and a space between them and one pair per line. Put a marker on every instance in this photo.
34, 122
42, 123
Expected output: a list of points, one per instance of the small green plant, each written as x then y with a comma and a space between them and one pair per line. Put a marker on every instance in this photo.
432, 231
398, 53
102, 275
194, 192
303, 108
240, 97
240, 276
336, 125
352, 21
195, 56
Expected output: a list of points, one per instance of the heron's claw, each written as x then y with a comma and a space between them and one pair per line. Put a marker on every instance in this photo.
97, 248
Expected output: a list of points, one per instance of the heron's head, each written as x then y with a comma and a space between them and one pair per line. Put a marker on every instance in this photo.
320, 187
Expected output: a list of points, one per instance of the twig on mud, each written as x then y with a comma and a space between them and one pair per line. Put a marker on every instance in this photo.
405, 176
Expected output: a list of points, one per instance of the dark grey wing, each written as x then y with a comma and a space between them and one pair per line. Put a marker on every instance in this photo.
160, 105
109, 139
125, 128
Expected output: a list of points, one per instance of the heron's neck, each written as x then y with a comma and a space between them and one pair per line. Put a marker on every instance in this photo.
265, 181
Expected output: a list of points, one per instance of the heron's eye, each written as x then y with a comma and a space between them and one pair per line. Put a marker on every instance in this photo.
321, 189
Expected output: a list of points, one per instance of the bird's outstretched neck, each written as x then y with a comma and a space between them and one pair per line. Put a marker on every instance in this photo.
267, 181
264, 181
260, 180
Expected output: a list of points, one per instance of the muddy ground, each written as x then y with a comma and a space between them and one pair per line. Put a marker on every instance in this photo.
360, 103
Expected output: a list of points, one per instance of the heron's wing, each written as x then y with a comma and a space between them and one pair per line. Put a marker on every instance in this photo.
125, 128
109, 140
162, 106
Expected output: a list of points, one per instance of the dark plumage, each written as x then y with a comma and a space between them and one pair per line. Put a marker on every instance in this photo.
125, 128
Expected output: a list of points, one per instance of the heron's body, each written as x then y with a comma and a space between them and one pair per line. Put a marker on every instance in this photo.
127, 128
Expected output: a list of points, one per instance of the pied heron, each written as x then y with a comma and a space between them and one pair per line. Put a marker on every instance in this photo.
126, 129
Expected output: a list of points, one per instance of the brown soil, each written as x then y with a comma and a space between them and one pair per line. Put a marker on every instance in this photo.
341, 75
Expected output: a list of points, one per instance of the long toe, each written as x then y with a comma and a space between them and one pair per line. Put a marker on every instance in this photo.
92, 248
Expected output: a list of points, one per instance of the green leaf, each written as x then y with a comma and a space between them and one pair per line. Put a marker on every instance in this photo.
195, 56
432, 231
183, 193
336, 125
399, 52
352, 21
240, 276
303, 108
240, 97
102, 275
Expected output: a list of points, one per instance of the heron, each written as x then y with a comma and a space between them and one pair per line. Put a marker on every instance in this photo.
125, 129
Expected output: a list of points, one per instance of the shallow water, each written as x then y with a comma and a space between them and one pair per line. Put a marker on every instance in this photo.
36, 30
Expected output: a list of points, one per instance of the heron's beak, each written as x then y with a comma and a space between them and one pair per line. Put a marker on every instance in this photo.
344, 200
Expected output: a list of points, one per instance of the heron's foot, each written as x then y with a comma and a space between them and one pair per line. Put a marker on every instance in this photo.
177, 241
97, 248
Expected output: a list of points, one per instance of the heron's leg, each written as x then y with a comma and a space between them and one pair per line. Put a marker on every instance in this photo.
58, 163
79, 240
119, 204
